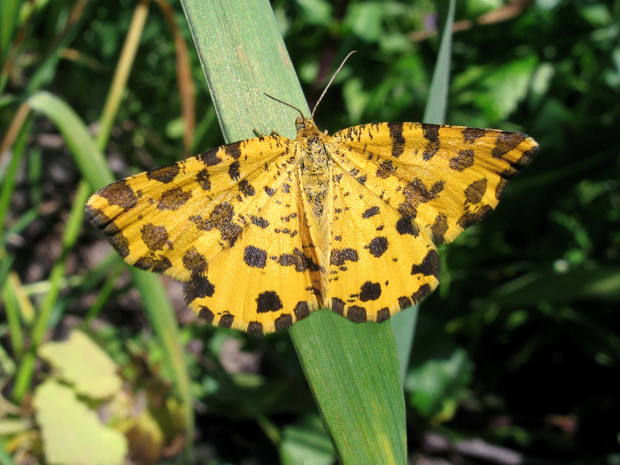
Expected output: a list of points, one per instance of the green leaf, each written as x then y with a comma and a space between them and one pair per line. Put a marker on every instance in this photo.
89, 159
352, 369
497, 92
82, 363
601, 283
72, 433
440, 373
306, 442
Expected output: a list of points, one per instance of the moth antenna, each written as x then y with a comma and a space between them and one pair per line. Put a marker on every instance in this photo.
330, 82
284, 103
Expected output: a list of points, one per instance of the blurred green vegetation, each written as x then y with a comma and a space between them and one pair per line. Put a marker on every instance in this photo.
519, 346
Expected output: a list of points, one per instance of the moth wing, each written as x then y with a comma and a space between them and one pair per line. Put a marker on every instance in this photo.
379, 264
176, 219
270, 277
444, 178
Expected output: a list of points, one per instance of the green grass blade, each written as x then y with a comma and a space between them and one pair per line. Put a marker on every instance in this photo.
438, 98
403, 328
11, 308
352, 369
21, 125
404, 323
88, 157
9, 9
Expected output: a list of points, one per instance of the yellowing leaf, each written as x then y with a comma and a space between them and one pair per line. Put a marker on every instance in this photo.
72, 433
81, 362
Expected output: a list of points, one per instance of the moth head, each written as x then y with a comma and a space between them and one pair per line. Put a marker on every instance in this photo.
302, 123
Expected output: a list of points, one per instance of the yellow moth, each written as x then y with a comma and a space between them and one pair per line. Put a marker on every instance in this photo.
264, 231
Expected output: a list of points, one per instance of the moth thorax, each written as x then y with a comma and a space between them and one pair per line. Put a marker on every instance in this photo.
315, 169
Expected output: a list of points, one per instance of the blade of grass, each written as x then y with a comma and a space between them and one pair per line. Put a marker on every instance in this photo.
352, 369
9, 9
185, 80
121, 74
16, 334
47, 69
438, 97
27, 311
404, 323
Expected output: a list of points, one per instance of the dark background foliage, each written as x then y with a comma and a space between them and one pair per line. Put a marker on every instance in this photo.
518, 347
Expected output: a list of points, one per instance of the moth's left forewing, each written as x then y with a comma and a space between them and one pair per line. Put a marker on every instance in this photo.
176, 219
444, 178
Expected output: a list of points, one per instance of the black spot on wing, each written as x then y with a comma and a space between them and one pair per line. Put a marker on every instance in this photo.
464, 159
404, 302
506, 142
96, 217
469, 218
302, 310
268, 301
154, 263
154, 237
378, 246
194, 261
284, 321
299, 260
119, 193
416, 193
405, 226
165, 174
173, 199
221, 218
475, 191
471, 134
418, 295
439, 228
383, 315
386, 168
246, 188
431, 134
372, 211
340, 256
210, 158
430, 266
357, 314
338, 306
117, 239
226, 320
255, 328
255, 257
233, 171
526, 157
398, 141
233, 150
370, 291
203, 180
259, 221
198, 287
205, 314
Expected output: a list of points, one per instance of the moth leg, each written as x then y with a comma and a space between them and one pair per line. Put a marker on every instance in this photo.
260, 134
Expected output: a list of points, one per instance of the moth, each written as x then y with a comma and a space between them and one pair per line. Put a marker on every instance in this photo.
266, 230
